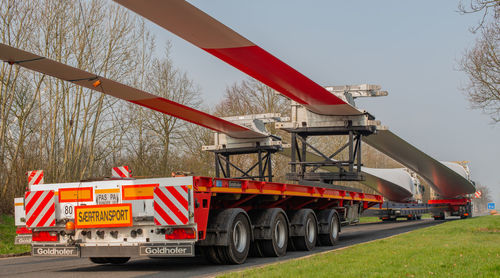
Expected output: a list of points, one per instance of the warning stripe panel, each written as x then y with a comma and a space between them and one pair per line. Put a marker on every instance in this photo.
35, 177
121, 172
40, 209
171, 205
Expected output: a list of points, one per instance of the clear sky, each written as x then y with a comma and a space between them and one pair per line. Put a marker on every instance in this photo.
411, 48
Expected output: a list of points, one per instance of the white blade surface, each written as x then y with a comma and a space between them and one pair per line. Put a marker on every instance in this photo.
447, 182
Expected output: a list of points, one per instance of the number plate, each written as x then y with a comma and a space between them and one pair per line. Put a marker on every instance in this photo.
107, 198
181, 250
55, 251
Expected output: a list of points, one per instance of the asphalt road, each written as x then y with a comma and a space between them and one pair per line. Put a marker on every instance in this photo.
186, 267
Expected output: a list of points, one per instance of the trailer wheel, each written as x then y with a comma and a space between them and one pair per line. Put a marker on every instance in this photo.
276, 246
307, 241
333, 228
239, 241
255, 249
99, 260
210, 253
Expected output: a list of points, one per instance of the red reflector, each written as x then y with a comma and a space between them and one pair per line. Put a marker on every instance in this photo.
466, 214
182, 233
45, 236
22, 230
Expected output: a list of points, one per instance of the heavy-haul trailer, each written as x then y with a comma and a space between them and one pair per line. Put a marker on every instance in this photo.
442, 208
110, 221
391, 211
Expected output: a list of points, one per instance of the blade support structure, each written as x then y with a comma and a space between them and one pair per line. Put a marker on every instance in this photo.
305, 123
226, 147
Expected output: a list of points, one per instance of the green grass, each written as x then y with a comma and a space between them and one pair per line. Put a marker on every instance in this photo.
7, 235
461, 248
369, 219
372, 219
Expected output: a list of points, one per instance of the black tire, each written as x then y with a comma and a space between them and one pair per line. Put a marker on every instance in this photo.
99, 260
255, 249
239, 241
277, 245
307, 242
333, 236
210, 254
118, 260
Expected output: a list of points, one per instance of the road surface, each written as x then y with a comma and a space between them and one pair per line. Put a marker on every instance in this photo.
186, 267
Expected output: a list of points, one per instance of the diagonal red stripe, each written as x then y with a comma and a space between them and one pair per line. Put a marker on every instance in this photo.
31, 175
178, 196
33, 200
119, 172
184, 188
163, 215
173, 208
39, 209
51, 211
40, 177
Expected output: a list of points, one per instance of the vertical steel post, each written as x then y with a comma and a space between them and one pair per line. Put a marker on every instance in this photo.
293, 166
228, 167
261, 174
359, 153
269, 167
217, 165
351, 154
304, 152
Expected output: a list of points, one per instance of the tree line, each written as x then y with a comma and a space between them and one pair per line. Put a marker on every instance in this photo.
73, 133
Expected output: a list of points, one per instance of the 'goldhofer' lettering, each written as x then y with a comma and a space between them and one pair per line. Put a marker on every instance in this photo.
99, 216
54, 251
165, 250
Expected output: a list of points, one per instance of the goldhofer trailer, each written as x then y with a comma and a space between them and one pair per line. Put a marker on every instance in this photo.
442, 208
391, 211
111, 220
438, 208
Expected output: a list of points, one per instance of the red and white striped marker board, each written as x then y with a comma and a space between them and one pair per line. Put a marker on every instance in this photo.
35, 177
121, 172
40, 209
478, 194
171, 206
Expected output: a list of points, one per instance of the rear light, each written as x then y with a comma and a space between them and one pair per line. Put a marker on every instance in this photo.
181, 233
23, 230
45, 236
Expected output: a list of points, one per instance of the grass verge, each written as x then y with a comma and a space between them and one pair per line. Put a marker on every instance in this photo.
461, 248
7, 235
369, 219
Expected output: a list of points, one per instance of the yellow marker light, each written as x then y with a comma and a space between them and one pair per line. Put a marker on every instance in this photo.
97, 83
70, 226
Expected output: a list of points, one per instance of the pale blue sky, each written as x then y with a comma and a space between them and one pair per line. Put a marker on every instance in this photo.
411, 48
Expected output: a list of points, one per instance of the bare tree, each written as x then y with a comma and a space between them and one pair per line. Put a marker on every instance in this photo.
481, 63
482, 67
486, 197
45, 123
158, 150
486, 7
